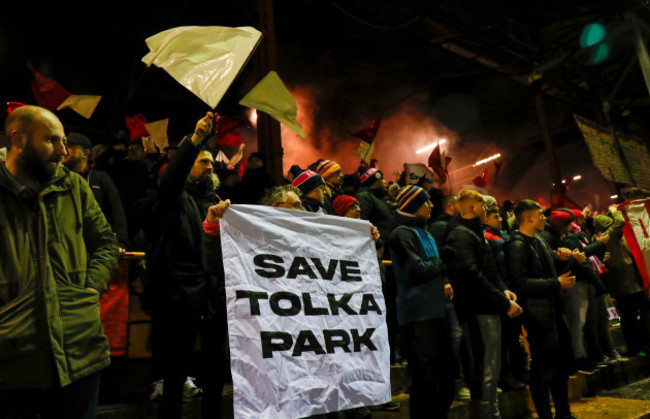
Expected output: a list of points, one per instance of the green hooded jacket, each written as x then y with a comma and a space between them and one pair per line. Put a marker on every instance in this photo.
56, 258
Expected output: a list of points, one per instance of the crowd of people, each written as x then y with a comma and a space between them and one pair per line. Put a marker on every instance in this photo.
462, 274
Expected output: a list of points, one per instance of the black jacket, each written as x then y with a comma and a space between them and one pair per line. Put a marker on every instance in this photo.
109, 201
376, 209
174, 236
438, 229
472, 270
532, 272
313, 205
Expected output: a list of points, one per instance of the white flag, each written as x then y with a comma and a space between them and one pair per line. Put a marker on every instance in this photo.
306, 313
84, 105
158, 132
203, 59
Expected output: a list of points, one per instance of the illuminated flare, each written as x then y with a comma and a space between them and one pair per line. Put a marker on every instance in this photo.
252, 116
578, 177
496, 156
430, 146
613, 197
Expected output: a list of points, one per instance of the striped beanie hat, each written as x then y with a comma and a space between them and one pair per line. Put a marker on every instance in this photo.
369, 175
305, 180
327, 168
410, 198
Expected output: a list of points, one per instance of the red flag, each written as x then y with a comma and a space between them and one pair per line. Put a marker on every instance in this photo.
48, 93
481, 180
136, 125
242, 166
12, 106
439, 163
368, 133
230, 139
224, 125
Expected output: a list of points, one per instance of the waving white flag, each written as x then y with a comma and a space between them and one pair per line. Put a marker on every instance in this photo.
203, 59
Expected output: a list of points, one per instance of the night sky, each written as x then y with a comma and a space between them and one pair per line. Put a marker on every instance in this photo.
345, 62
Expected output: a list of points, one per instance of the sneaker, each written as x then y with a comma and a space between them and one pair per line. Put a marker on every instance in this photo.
602, 363
586, 370
358, 413
156, 390
190, 390
616, 356
388, 407
463, 394
511, 383
586, 367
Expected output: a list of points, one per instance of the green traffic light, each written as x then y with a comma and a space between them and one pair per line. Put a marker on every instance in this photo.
592, 34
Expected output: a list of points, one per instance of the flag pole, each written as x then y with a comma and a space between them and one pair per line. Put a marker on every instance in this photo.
451, 189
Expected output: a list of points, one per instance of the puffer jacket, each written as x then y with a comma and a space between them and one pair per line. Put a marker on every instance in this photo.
534, 279
472, 270
57, 255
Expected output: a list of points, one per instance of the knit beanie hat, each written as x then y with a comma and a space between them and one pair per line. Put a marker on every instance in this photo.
490, 202
577, 213
327, 167
369, 175
305, 180
560, 219
410, 198
342, 204
602, 222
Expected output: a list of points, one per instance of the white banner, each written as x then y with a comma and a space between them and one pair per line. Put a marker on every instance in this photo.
306, 313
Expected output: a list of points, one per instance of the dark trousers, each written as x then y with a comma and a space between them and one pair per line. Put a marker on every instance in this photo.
483, 333
74, 401
634, 311
176, 336
551, 363
427, 346
514, 359
558, 387
597, 339
389, 288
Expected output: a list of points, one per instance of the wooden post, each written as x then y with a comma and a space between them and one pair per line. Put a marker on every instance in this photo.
269, 139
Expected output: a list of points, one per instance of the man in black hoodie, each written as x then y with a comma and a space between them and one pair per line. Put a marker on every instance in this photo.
185, 301
531, 266
480, 298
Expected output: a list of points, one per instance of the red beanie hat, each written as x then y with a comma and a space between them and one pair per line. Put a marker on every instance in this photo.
342, 204
577, 213
560, 219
